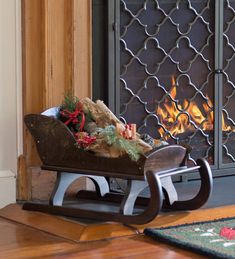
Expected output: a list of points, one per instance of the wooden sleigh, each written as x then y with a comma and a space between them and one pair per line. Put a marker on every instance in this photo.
58, 152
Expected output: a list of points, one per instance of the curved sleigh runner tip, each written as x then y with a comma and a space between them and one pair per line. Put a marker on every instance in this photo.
203, 194
57, 149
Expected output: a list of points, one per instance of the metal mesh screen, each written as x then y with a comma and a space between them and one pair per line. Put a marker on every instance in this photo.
167, 71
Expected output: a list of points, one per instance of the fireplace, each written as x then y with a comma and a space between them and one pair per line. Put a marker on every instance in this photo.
171, 71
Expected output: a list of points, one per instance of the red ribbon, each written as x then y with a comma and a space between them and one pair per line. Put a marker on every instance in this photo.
84, 140
73, 116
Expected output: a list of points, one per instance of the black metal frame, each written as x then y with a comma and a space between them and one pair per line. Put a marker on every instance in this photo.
99, 49
113, 61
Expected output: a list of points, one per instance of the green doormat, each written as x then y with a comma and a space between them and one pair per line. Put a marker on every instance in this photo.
212, 238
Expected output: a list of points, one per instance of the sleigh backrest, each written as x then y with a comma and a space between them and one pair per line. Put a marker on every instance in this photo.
52, 137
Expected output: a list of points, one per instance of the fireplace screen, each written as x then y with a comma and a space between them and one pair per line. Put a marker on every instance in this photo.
176, 73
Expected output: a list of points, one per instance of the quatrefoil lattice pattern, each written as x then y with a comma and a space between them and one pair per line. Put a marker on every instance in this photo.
167, 65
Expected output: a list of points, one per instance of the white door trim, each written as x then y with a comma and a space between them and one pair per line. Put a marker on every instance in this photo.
19, 88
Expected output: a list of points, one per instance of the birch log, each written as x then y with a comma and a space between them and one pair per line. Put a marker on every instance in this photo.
103, 117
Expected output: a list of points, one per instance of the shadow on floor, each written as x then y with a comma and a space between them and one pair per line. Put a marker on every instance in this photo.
223, 191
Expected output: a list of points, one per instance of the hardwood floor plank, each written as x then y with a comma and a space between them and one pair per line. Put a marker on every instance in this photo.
23, 242
19, 241
64, 227
181, 217
27, 234
76, 230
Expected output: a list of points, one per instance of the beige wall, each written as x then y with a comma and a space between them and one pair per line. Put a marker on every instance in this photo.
9, 99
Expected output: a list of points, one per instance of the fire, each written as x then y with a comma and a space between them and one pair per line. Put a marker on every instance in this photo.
178, 118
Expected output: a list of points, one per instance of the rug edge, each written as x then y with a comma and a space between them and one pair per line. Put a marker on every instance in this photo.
150, 232
193, 223
186, 246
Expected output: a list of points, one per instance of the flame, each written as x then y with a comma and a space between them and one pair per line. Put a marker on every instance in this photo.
178, 118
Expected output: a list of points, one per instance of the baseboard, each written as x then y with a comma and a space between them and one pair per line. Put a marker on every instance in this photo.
6, 174
7, 188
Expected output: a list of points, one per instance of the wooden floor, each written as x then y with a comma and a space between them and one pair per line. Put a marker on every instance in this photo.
25, 234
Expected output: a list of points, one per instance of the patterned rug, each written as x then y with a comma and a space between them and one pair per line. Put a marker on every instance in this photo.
212, 238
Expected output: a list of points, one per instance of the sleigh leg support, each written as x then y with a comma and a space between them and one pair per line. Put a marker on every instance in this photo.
64, 180
127, 214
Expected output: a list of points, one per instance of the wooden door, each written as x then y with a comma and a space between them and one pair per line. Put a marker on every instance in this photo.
56, 41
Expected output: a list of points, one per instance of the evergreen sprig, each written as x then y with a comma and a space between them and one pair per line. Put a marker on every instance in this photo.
129, 146
70, 101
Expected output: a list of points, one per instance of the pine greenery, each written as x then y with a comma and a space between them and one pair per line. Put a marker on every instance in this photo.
70, 101
114, 139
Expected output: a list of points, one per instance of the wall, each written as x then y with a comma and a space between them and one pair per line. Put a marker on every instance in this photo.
9, 83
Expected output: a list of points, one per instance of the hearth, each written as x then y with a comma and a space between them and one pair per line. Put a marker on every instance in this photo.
174, 74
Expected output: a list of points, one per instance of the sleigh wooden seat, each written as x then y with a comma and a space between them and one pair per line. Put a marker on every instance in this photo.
57, 149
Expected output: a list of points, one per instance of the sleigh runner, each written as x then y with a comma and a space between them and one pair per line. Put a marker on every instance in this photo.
57, 149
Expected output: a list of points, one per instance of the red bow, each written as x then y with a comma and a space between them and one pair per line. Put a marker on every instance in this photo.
73, 116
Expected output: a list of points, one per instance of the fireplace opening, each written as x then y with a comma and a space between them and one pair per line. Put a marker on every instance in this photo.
171, 70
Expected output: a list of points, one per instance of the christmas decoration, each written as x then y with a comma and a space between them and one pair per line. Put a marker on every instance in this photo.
96, 129
73, 116
83, 139
129, 132
113, 138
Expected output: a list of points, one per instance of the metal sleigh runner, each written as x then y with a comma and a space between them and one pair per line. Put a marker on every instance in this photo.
57, 146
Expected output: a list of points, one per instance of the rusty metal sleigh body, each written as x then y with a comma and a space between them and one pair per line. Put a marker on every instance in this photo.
58, 152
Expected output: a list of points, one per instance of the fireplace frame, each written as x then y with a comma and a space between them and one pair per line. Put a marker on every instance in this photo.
113, 79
